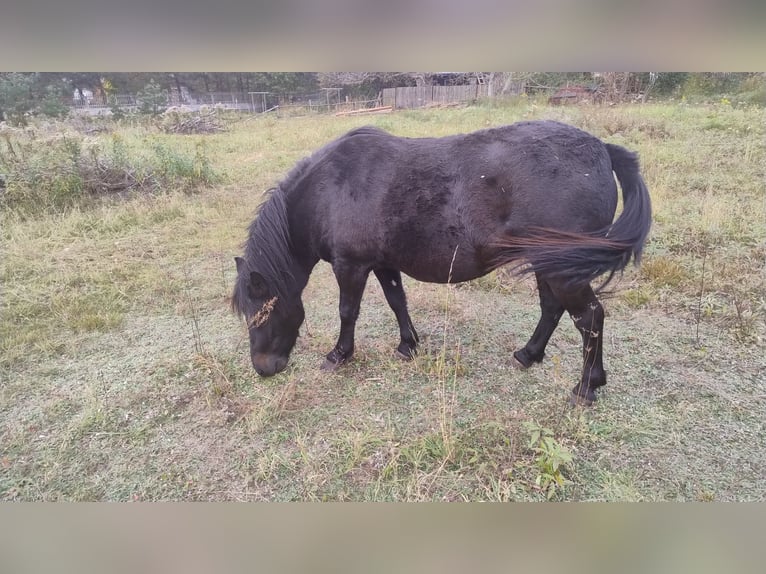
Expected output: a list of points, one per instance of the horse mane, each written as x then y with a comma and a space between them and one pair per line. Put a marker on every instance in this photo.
365, 130
268, 249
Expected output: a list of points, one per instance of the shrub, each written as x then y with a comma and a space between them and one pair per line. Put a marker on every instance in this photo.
44, 174
753, 90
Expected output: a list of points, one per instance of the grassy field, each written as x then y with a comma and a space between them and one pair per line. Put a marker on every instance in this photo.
126, 377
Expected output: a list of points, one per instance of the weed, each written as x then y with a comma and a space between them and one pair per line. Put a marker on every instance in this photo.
638, 297
746, 318
698, 316
551, 459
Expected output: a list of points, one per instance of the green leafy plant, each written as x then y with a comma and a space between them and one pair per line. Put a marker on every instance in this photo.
551, 457
185, 170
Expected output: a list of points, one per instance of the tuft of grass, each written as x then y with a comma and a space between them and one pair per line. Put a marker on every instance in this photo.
637, 297
663, 271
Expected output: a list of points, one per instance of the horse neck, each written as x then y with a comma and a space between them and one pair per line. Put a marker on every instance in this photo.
300, 271
272, 251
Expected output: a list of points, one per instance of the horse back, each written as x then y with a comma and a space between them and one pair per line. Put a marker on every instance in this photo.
433, 206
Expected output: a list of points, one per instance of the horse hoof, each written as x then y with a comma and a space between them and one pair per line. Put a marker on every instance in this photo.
329, 366
576, 400
402, 356
524, 360
518, 365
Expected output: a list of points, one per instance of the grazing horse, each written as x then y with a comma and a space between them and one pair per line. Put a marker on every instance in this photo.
539, 195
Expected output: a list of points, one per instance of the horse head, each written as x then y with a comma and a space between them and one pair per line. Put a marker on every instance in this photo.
272, 319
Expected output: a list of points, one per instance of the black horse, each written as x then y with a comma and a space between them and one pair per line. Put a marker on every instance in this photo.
540, 195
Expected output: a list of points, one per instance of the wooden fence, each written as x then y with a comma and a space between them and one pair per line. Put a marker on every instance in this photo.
419, 96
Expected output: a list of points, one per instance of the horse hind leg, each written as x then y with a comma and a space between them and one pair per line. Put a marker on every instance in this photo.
587, 314
391, 282
551, 311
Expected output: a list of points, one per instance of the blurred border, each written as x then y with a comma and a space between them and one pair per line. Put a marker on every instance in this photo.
326, 35
381, 538
299, 35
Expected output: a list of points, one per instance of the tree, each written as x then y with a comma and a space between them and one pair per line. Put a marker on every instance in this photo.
365, 84
51, 104
152, 99
16, 99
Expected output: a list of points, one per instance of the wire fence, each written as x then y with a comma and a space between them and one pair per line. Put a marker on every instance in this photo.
253, 102
328, 101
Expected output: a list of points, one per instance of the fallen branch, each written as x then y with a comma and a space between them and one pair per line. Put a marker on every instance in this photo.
364, 111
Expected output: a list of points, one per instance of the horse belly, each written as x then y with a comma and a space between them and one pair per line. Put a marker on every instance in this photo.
443, 264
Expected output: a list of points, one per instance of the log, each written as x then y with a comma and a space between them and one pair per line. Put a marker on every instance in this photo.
363, 111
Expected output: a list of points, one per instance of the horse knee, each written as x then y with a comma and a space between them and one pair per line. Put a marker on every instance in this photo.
349, 314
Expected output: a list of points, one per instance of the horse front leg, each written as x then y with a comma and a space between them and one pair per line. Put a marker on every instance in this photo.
351, 282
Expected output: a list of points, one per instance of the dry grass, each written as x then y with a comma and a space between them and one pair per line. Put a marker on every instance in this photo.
125, 376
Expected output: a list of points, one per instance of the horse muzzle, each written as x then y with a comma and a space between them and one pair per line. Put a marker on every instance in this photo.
268, 365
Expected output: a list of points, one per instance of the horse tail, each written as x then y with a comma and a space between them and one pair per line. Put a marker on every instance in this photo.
578, 258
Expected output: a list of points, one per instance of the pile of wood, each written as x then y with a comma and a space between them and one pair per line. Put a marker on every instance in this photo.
102, 177
201, 122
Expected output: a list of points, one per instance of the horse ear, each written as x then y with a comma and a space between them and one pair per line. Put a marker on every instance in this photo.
258, 287
240, 263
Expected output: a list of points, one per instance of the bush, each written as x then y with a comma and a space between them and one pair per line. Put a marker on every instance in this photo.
669, 82
753, 90
185, 171
710, 84
54, 173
